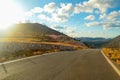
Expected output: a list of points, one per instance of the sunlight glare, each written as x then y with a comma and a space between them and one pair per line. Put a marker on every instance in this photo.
10, 13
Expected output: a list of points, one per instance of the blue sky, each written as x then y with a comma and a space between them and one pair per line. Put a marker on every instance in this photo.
76, 18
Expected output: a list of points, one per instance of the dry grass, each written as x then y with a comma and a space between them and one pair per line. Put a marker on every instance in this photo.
15, 50
23, 47
113, 53
37, 41
19, 39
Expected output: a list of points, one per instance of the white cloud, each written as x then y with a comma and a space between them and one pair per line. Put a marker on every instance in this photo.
50, 7
102, 5
89, 6
56, 27
60, 17
63, 13
59, 14
112, 16
37, 10
97, 11
92, 24
107, 20
70, 30
33, 12
90, 17
44, 17
65, 8
56, 14
102, 16
28, 14
115, 15
81, 8
106, 25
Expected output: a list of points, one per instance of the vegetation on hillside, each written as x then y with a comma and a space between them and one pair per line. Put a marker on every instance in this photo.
112, 49
28, 39
15, 50
113, 53
34, 32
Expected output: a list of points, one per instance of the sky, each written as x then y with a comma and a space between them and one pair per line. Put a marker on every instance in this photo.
76, 18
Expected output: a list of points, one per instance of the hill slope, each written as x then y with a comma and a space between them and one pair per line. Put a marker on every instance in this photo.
31, 30
114, 43
112, 49
28, 39
35, 32
34, 28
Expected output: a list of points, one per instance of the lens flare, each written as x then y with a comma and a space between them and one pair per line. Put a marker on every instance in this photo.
10, 13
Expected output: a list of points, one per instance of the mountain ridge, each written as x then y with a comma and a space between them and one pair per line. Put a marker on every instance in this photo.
93, 42
35, 32
114, 43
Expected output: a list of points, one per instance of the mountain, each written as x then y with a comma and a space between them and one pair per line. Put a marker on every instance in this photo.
84, 39
114, 43
112, 49
31, 30
94, 42
35, 32
28, 39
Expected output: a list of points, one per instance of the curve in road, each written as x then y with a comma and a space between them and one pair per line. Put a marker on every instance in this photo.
69, 65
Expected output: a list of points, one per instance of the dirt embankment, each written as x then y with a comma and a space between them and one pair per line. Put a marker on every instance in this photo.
14, 50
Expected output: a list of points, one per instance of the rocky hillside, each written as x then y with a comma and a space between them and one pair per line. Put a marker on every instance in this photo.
114, 43
112, 49
28, 39
35, 32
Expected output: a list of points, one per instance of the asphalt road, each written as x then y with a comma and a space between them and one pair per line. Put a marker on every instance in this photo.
69, 65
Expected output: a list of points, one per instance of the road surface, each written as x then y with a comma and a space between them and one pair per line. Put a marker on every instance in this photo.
69, 65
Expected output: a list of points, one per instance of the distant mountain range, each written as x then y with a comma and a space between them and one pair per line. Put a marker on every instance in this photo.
114, 43
94, 42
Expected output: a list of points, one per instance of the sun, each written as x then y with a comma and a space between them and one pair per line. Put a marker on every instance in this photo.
10, 13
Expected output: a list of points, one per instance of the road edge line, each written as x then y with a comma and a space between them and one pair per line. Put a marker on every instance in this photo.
113, 66
30, 57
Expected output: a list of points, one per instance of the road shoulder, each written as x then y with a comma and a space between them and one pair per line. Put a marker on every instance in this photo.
117, 70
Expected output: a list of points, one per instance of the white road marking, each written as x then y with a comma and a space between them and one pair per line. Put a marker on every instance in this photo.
27, 58
113, 66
